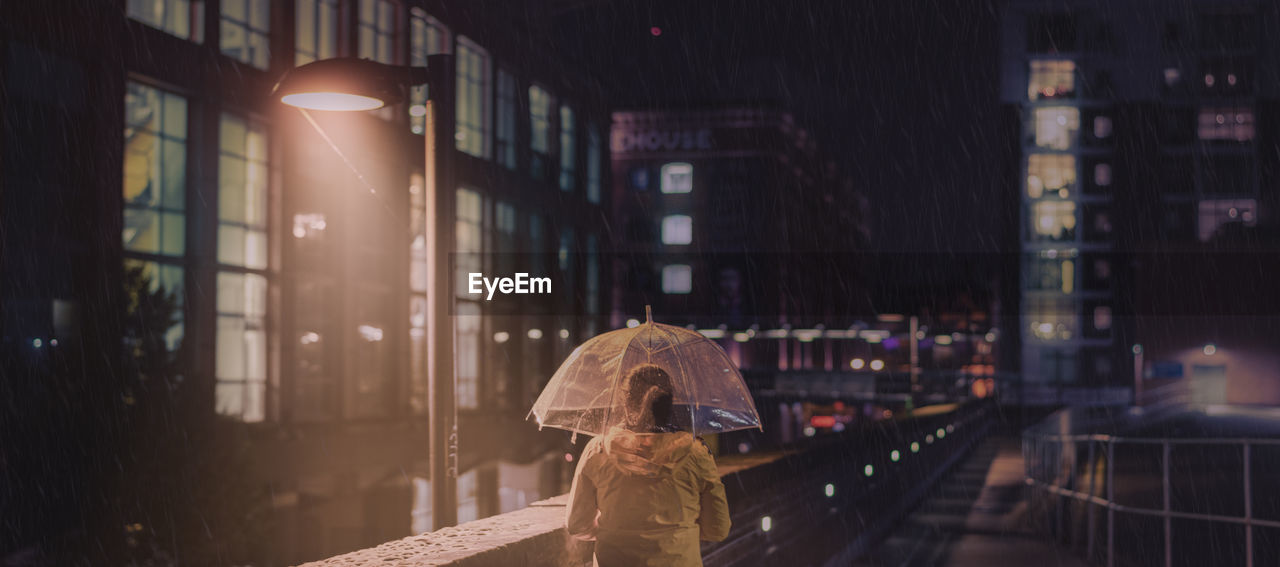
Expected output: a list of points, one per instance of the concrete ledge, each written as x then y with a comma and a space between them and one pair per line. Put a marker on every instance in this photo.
531, 536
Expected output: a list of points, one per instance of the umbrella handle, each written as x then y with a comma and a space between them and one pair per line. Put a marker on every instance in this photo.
648, 315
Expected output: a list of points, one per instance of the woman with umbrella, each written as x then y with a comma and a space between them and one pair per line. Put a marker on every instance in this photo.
645, 489
647, 492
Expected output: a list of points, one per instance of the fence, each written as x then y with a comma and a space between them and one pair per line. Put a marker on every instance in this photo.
1204, 501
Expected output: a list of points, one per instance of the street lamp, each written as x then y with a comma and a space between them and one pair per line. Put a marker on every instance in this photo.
350, 84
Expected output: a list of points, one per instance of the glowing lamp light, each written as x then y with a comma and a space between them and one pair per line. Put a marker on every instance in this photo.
941, 433
568, 457
877, 365
535, 334
1210, 349
857, 363
632, 323
564, 333
809, 431
868, 470
501, 337
895, 456
766, 523
829, 490
928, 439
332, 101
915, 447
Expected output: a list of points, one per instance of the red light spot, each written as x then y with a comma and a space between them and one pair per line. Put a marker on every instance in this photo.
655, 31
839, 405
822, 421
568, 457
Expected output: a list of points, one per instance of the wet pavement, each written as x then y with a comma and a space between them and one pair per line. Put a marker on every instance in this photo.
975, 517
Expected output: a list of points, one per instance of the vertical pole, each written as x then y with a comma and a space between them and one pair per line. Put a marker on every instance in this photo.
1111, 503
1248, 505
1168, 506
440, 197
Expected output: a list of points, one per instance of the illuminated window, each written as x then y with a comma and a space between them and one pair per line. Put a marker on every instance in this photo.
246, 31
468, 501
182, 18
1053, 221
167, 278
420, 514
468, 238
1230, 124
1056, 128
1102, 174
677, 278
378, 30
419, 395
317, 31
505, 137
1052, 79
427, 36
1102, 318
539, 130
314, 378
473, 99
370, 352
1051, 175
568, 150
1050, 274
1102, 127
677, 178
155, 171
241, 346
677, 229
1051, 318
594, 152
242, 193
1217, 214
467, 332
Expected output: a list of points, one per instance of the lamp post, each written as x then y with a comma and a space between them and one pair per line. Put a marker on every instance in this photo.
349, 84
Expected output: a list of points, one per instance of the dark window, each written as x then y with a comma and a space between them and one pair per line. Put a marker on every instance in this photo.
1099, 176
1227, 175
1098, 221
1177, 175
1178, 126
1178, 222
1051, 33
639, 179
1097, 272
1228, 32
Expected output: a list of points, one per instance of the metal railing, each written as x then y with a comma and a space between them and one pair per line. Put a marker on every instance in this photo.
1058, 478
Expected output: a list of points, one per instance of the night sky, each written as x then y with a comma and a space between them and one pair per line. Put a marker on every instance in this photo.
903, 95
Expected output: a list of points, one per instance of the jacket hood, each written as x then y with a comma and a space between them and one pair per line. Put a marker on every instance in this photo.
647, 454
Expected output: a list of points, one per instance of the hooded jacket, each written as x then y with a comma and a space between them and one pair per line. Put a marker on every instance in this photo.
647, 499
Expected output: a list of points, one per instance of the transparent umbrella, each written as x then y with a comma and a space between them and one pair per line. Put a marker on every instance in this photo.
585, 395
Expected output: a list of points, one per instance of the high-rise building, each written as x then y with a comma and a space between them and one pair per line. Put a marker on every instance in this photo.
729, 219
142, 136
1146, 176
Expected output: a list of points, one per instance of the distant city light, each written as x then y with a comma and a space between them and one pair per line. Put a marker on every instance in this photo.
535, 334
1137, 349
830, 490
895, 456
766, 523
868, 470
309, 338
564, 333
942, 340
857, 363
632, 323
741, 337
53, 342
941, 433
37, 343
417, 110
1210, 349
370, 333
744, 447
951, 429
991, 337
568, 457
877, 364
915, 447
809, 431
501, 337
928, 439
656, 31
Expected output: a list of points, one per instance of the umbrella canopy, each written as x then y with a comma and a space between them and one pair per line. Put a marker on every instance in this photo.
585, 395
